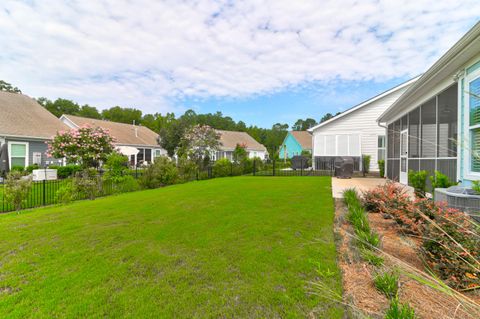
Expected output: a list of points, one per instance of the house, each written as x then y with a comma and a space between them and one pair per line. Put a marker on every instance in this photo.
137, 142
230, 139
355, 132
294, 143
25, 127
435, 124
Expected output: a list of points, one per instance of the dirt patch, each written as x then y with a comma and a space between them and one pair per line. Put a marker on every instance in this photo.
400, 252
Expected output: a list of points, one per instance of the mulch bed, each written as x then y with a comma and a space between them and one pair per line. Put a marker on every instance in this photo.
359, 291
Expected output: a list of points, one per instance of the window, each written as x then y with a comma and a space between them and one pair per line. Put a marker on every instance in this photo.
381, 147
37, 158
148, 155
18, 154
158, 153
474, 106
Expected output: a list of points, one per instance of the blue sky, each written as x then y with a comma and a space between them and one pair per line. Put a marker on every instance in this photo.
258, 61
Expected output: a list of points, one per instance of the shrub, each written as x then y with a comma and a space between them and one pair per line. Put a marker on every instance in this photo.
398, 310
86, 184
440, 181
126, 184
451, 249
387, 283
381, 167
161, 173
66, 171
418, 180
222, 168
476, 186
187, 169
17, 188
66, 193
366, 163
390, 195
116, 167
30, 168
17, 168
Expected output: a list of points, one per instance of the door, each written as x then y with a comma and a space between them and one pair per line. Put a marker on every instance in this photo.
403, 157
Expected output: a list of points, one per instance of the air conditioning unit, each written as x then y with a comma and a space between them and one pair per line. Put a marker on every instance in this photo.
460, 197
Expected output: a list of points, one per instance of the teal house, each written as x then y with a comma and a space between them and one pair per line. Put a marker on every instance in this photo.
294, 143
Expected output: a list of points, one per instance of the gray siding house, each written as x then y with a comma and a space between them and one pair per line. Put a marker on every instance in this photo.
25, 127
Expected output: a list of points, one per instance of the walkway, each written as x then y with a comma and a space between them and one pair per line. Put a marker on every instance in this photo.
359, 183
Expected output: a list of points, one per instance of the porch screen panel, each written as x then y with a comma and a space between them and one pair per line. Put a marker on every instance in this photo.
354, 145
342, 145
429, 128
390, 141
404, 123
396, 139
414, 165
396, 169
330, 145
447, 122
148, 155
429, 166
448, 167
414, 133
390, 169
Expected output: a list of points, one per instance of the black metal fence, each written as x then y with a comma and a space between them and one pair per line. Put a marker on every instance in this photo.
43, 193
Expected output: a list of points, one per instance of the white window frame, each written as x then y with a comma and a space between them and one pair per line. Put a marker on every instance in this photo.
27, 152
469, 174
383, 148
34, 155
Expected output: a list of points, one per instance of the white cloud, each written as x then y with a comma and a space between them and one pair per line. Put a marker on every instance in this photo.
149, 54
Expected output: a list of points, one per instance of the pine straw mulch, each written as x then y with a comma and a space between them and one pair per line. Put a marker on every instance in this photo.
399, 252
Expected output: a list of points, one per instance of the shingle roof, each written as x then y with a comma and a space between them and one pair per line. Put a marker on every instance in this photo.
304, 138
21, 115
124, 134
230, 139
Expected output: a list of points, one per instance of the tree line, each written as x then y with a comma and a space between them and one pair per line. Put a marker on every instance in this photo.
170, 127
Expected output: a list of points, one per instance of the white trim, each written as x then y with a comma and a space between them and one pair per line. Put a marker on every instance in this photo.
68, 121
469, 174
10, 153
375, 98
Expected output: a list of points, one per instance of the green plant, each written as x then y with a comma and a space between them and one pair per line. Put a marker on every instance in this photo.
187, 169
387, 283
67, 170
476, 186
366, 164
381, 167
17, 168
116, 167
418, 180
398, 310
30, 168
66, 193
222, 168
161, 173
372, 258
367, 240
86, 184
17, 188
440, 181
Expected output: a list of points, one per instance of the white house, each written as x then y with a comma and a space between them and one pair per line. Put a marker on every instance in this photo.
230, 139
137, 142
355, 132
435, 125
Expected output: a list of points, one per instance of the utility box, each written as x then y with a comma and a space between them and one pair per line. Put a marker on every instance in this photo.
344, 167
44, 174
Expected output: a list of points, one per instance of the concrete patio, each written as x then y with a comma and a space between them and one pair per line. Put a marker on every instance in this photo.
359, 183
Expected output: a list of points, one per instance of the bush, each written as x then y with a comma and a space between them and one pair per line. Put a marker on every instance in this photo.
17, 168
222, 168
66, 171
161, 173
452, 248
387, 283
126, 184
17, 188
418, 180
187, 169
366, 163
440, 181
398, 310
381, 167
66, 193
30, 168
390, 195
86, 184
116, 167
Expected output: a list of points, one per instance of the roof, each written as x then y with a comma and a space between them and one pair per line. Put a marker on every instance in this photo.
365, 103
447, 66
230, 139
22, 116
304, 138
124, 134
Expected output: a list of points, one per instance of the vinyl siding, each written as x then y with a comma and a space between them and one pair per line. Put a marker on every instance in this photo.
363, 122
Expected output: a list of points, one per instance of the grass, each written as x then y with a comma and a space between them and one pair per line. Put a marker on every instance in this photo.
387, 283
243, 247
398, 310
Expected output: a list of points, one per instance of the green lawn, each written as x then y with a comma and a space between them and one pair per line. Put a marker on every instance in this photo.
243, 247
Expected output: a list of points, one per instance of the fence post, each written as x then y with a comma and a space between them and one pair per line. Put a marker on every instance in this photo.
254, 165
136, 172
301, 166
273, 166
44, 191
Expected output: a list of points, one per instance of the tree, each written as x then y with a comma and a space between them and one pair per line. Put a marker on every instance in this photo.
7, 87
326, 117
60, 106
303, 125
122, 115
86, 146
171, 135
89, 111
240, 153
198, 142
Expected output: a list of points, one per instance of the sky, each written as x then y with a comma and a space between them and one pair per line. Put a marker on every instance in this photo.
261, 62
